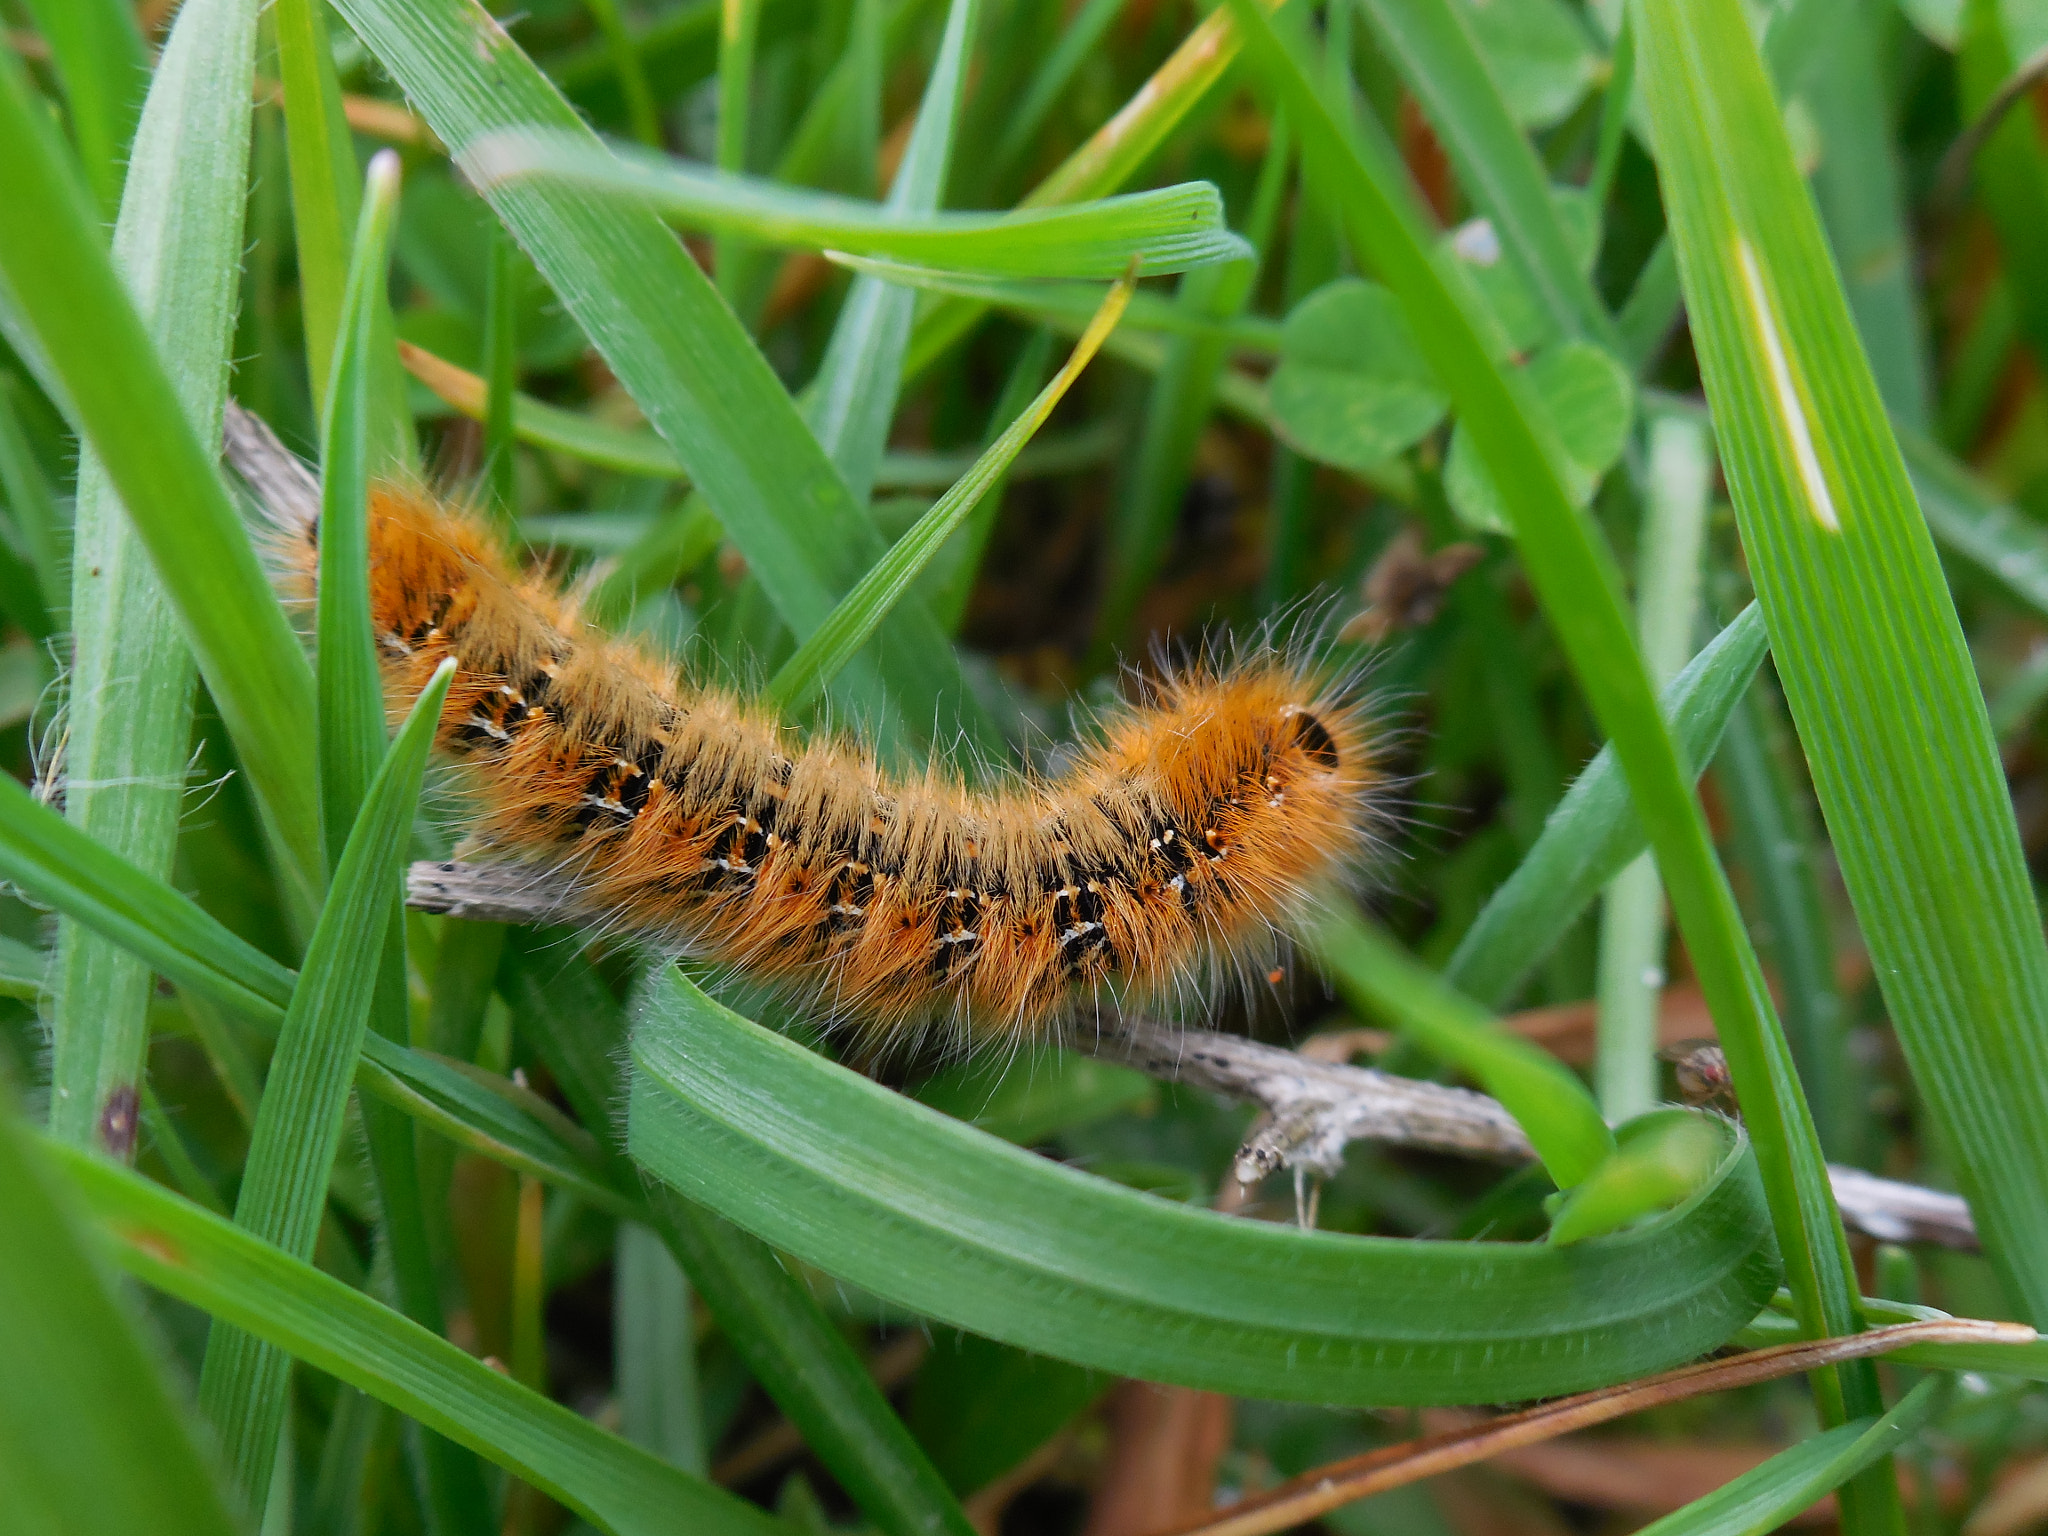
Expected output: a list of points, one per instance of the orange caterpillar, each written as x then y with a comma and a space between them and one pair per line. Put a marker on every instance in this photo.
1198, 826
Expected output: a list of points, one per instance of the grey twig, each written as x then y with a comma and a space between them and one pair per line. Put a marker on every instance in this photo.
1313, 1107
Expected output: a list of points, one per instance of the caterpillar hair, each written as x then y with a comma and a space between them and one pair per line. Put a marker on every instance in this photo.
1182, 845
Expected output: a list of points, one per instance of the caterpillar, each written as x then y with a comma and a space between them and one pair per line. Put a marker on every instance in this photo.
1195, 831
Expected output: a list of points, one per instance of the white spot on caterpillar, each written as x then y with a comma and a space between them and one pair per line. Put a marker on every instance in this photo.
1791, 411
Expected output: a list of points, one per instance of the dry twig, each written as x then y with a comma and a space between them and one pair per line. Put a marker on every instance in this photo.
1322, 1489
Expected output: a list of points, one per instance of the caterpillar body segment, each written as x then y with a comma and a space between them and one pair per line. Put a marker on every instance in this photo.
1199, 826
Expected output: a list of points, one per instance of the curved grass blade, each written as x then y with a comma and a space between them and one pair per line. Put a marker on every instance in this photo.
1574, 576
951, 1222
856, 619
1864, 634
1766, 1497
64, 290
1662, 1159
177, 245
1172, 229
90, 1437
1546, 1099
1069, 306
244, 1383
249, 1285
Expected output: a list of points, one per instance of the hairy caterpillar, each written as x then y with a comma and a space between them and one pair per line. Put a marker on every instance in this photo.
1200, 825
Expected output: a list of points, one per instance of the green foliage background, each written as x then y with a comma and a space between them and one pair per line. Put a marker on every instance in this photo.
1566, 360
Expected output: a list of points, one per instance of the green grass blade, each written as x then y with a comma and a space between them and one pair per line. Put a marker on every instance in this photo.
65, 290
493, 1116
853, 396
1546, 1099
1431, 43
856, 619
739, 27
1070, 305
52, 863
24, 969
326, 182
249, 1285
1594, 830
804, 1364
1172, 229
1050, 78
1774, 844
1766, 1497
1975, 523
104, 67
540, 425
1677, 485
655, 1351
946, 1220
177, 246
58, 866
1111, 157
677, 348
298, 1125
501, 373
354, 740
1575, 579
325, 179
350, 689
1864, 635
34, 507
1176, 411
953, 581
1831, 57
91, 1439
1662, 1158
